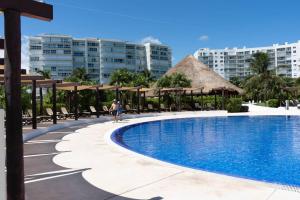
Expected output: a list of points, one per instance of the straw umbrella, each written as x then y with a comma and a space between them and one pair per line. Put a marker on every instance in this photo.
204, 77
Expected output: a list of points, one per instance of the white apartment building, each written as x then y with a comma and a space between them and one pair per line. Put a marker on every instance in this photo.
235, 62
159, 59
60, 54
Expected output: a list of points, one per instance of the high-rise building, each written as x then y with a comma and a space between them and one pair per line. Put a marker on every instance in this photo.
235, 62
60, 54
159, 59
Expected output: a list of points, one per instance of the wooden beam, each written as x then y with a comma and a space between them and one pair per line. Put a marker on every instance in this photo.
14, 136
33, 99
1, 43
97, 102
76, 102
67, 84
138, 100
159, 108
41, 101
25, 77
54, 103
29, 8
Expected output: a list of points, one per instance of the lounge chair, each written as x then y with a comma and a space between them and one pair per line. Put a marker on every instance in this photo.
163, 107
197, 106
26, 120
49, 112
186, 107
38, 118
150, 107
105, 110
173, 107
65, 113
94, 111
128, 109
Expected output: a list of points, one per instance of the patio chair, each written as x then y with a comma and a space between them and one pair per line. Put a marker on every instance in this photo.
29, 112
84, 113
186, 107
94, 111
150, 107
128, 109
49, 112
197, 106
26, 120
173, 107
105, 110
65, 112
163, 107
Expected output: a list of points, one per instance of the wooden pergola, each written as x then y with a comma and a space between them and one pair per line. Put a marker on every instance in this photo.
13, 10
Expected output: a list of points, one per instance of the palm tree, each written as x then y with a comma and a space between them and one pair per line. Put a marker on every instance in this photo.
174, 80
122, 77
260, 63
263, 85
79, 75
45, 73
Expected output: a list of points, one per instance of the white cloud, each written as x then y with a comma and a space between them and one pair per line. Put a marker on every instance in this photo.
151, 39
25, 53
203, 38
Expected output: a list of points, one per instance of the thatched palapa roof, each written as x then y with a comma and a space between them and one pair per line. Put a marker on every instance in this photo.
202, 76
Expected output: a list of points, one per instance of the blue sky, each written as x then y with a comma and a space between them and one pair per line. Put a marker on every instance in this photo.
184, 25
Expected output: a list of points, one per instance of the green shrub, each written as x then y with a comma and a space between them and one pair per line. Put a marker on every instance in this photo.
274, 103
234, 105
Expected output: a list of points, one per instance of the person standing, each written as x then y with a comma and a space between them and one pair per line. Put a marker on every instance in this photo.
114, 110
120, 110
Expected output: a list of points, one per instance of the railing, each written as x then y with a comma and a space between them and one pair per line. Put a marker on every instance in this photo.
2, 157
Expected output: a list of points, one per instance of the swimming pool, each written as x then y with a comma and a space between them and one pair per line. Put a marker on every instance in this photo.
264, 148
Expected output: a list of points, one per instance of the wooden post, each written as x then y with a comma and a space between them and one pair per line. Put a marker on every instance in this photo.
179, 100
192, 100
14, 137
223, 100
138, 100
41, 101
117, 93
202, 103
159, 110
13, 9
33, 100
2, 157
76, 102
54, 103
216, 101
70, 98
144, 100
97, 102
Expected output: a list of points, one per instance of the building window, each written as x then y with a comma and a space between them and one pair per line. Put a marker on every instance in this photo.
118, 60
67, 51
34, 58
35, 47
49, 51
93, 49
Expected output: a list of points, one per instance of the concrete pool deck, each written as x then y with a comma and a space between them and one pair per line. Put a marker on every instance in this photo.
117, 170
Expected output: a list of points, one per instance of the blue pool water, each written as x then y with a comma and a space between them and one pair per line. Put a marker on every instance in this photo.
265, 148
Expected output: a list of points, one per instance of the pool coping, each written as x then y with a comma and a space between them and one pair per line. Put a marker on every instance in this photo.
274, 189
109, 139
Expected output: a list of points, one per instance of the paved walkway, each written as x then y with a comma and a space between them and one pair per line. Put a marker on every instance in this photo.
44, 180
89, 166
